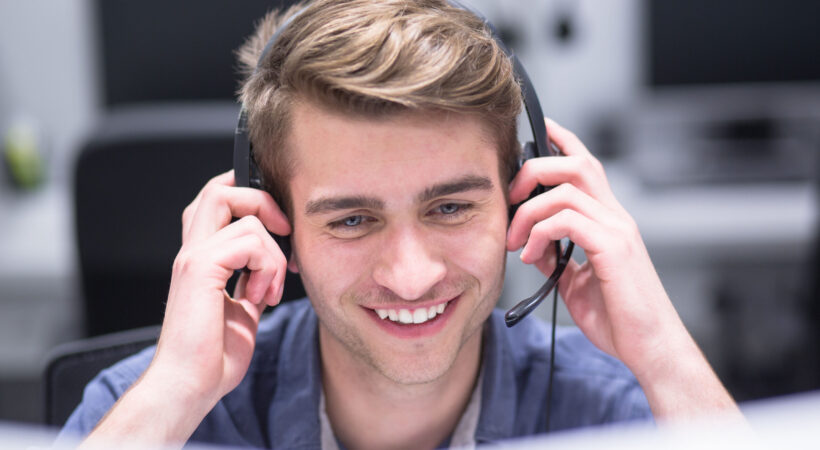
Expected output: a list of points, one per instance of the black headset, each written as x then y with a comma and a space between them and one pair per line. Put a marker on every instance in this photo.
247, 172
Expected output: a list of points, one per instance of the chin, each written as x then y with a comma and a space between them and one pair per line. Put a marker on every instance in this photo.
416, 370
420, 363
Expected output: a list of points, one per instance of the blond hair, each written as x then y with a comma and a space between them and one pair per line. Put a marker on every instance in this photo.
371, 58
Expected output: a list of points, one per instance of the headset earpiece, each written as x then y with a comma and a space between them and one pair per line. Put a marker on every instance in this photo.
247, 173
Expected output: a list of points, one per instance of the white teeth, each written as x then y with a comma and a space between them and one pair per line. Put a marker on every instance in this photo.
414, 316
405, 316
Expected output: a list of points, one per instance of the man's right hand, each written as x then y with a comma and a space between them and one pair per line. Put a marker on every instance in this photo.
207, 337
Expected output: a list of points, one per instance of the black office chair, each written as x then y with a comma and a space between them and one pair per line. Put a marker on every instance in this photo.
132, 181
72, 365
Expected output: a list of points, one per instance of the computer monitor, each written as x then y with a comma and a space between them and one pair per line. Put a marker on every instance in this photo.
161, 51
726, 42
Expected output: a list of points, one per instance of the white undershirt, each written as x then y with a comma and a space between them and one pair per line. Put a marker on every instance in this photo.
463, 436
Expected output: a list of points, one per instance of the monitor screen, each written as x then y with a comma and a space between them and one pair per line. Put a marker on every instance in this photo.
707, 42
158, 50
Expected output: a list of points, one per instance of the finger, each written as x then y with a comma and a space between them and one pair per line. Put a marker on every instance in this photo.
253, 282
260, 282
566, 140
219, 204
277, 287
239, 292
272, 296
583, 173
565, 196
547, 264
281, 292
242, 317
245, 251
250, 225
237, 246
588, 234
225, 178
239, 296
239, 289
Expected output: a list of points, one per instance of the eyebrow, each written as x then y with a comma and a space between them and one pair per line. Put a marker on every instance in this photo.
330, 204
464, 184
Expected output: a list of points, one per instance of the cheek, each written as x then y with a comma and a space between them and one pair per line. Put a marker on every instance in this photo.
479, 249
330, 268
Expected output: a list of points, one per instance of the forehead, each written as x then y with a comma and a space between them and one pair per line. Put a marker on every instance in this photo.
334, 154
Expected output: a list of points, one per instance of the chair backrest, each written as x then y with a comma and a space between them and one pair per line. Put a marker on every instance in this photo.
72, 365
131, 183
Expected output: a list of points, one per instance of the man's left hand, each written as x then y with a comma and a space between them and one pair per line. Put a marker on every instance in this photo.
616, 297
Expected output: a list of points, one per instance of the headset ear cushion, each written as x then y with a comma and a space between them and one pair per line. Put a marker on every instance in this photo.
528, 151
284, 244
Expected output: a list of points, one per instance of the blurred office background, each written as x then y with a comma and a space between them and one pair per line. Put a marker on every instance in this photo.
705, 113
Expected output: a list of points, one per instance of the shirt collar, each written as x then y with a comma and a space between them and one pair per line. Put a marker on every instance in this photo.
498, 389
294, 420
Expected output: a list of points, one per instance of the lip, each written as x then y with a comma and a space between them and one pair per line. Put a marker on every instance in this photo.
414, 331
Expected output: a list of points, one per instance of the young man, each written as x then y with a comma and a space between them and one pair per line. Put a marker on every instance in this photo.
387, 131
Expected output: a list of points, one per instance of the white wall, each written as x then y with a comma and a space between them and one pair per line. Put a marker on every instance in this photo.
47, 72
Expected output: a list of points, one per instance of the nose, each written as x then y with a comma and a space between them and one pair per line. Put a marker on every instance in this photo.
408, 265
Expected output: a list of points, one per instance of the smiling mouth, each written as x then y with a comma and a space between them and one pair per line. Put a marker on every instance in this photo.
412, 316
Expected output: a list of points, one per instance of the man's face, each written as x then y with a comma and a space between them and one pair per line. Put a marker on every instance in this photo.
403, 217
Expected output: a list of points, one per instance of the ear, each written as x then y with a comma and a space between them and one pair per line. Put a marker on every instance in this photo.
292, 265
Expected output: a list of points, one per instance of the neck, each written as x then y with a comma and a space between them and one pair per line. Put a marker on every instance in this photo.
368, 410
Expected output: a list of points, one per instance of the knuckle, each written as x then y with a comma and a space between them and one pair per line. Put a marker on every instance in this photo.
622, 246
186, 214
625, 234
588, 165
596, 164
281, 258
524, 171
565, 215
531, 167
541, 227
256, 240
251, 223
183, 261
631, 228
563, 191
524, 209
212, 192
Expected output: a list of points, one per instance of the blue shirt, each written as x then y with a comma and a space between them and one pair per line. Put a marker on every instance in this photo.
277, 403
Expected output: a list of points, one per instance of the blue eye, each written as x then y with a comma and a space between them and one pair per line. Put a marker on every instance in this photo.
449, 208
352, 221
352, 227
